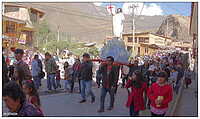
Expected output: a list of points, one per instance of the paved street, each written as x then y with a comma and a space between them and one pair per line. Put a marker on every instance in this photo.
66, 104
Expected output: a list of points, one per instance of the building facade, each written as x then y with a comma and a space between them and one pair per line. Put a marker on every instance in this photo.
29, 15
147, 43
11, 31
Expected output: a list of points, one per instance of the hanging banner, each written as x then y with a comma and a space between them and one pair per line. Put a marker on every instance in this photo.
22, 39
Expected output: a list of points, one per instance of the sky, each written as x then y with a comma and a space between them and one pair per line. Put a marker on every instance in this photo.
155, 8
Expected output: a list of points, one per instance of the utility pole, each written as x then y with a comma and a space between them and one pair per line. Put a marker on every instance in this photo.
133, 28
58, 38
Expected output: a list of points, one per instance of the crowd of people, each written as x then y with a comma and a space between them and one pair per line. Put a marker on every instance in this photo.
149, 86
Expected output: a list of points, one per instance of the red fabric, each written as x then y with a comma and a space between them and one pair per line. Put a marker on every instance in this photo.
58, 75
114, 63
155, 90
136, 96
76, 67
32, 100
7, 60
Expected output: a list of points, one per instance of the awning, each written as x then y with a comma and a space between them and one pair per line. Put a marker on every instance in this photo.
27, 29
6, 18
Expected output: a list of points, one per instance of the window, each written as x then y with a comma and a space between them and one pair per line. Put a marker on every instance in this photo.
146, 40
129, 48
130, 39
143, 40
135, 40
139, 51
10, 27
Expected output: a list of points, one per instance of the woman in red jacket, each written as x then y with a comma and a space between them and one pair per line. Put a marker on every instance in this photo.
136, 96
160, 94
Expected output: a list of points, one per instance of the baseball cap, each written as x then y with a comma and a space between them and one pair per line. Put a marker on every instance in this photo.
162, 74
86, 55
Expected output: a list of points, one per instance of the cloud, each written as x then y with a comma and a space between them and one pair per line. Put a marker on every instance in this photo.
148, 10
98, 3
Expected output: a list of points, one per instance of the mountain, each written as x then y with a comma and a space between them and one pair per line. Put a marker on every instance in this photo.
177, 27
89, 23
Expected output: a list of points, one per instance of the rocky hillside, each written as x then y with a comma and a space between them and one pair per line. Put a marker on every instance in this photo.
89, 23
177, 27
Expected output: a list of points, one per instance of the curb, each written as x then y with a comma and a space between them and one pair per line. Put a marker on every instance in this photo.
173, 107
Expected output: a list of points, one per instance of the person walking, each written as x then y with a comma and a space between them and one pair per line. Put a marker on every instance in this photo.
41, 73
138, 87
86, 78
76, 72
160, 95
50, 67
109, 83
67, 76
124, 75
35, 72
58, 77
188, 77
20, 64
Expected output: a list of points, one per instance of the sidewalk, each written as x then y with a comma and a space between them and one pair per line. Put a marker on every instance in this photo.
188, 105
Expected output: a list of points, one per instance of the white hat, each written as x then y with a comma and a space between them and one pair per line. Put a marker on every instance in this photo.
152, 68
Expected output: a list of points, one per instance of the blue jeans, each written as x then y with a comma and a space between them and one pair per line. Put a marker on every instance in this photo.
67, 83
58, 83
51, 81
132, 112
104, 91
36, 80
86, 86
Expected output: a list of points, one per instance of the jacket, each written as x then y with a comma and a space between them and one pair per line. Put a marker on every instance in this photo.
29, 110
25, 68
156, 90
136, 96
86, 71
68, 73
50, 66
112, 77
35, 68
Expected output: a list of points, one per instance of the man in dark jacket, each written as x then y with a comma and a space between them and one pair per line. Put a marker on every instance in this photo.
86, 78
109, 82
